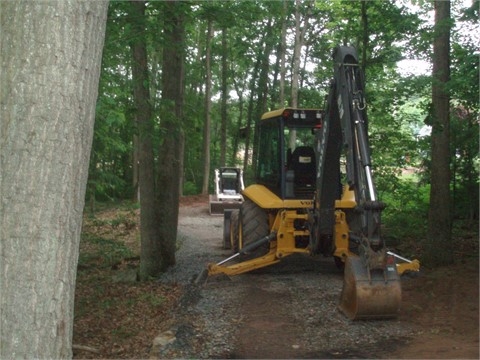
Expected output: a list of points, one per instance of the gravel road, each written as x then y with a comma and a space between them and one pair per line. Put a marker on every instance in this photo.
288, 310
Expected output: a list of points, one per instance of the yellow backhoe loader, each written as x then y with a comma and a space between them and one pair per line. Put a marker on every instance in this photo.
314, 194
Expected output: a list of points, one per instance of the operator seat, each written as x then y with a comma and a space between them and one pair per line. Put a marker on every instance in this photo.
303, 165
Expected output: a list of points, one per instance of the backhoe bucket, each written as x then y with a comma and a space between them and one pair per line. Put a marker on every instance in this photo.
369, 294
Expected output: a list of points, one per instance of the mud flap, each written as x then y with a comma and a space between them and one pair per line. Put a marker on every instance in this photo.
368, 294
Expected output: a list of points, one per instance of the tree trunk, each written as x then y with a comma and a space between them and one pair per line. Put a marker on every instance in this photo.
51, 57
135, 165
365, 33
439, 250
236, 137
223, 130
250, 112
150, 245
208, 106
172, 115
296, 55
283, 51
262, 87
297, 51
181, 162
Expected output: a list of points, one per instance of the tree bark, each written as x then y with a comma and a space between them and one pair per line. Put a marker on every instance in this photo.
171, 124
236, 137
223, 130
208, 106
262, 86
150, 248
50, 67
283, 51
296, 55
365, 33
250, 112
297, 51
439, 250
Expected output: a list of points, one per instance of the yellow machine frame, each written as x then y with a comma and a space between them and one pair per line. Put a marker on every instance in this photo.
282, 225
283, 232
282, 245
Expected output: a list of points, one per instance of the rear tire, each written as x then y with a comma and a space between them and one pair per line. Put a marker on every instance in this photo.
253, 226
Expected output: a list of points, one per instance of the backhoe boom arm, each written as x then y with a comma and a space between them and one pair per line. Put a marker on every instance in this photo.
344, 130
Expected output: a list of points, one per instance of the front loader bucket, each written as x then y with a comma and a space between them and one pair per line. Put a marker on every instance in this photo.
217, 207
369, 296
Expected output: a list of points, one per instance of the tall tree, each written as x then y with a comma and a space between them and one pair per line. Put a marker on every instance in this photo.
171, 124
365, 35
262, 84
208, 107
223, 111
439, 246
110, 174
250, 111
51, 56
282, 54
297, 50
150, 244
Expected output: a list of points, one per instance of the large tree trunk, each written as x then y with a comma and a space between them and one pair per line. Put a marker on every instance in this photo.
51, 56
172, 117
439, 250
150, 249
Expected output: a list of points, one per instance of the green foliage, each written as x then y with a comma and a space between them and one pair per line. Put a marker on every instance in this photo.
405, 217
190, 188
397, 105
465, 162
103, 252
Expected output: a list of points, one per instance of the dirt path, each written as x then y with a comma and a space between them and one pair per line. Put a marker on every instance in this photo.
444, 305
289, 310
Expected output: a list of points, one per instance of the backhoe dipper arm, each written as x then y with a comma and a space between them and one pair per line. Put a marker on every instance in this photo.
344, 129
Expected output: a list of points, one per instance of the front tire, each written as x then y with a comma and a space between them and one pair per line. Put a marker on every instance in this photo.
253, 226
226, 230
234, 231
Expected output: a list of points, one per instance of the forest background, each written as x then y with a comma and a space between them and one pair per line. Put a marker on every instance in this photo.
243, 58
182, 86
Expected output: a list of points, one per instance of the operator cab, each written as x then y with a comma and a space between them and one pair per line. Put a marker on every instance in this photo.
286, 162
